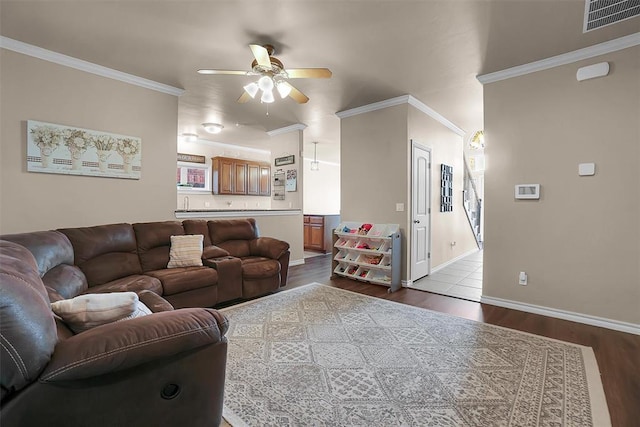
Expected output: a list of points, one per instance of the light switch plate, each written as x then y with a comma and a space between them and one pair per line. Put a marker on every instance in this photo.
586, 169
399, 207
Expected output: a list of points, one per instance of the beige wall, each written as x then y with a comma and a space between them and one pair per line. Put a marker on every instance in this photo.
40, 90
580, 243
286, 145
376, 174
446, 227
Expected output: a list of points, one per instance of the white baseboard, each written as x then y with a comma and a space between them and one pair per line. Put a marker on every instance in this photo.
406, 283
451, 261
296, 262
587, 319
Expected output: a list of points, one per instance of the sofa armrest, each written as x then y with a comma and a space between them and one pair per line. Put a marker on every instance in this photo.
213, 251
268, 247
154, 301
121, 345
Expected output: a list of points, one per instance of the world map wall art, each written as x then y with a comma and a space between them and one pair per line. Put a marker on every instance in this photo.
67, 150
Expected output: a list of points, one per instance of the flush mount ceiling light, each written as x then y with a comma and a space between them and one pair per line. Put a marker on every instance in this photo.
189, 137
213, 127
315, 165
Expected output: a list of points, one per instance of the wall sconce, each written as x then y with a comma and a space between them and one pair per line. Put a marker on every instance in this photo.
212, 127
315, 165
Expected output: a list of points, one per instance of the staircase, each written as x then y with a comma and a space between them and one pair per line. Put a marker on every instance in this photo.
472, 204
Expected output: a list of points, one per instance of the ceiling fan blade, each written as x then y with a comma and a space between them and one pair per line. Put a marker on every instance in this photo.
233, 72
297, 96
308, 73
245, 97
261, 54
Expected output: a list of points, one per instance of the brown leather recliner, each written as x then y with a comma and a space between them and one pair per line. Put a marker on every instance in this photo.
166, 368
264, 260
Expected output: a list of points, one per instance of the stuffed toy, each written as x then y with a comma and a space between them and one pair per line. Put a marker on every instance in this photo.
364, 229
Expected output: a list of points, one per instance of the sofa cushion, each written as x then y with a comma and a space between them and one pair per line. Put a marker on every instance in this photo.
259, 267
27, 325
104, 252
154, 242
67, 281
213, 251
88, 311
186, 251
49, 248
236, 248
135, 283
197, 226
182, 279
222, 230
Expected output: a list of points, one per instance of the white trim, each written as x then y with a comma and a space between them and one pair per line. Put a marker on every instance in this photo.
89, 67
296, 262
233, 146
435, 115
399, 100
451, 261
406, 283
180, 214
587, 319
287, 129
563, 59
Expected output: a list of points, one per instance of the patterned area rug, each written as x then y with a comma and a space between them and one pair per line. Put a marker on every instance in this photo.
322, 356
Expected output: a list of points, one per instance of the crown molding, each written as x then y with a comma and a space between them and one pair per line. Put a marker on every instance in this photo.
89, 67
398, 100
563, 59
287, 129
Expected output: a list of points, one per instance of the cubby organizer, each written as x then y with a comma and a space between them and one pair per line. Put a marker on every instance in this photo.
368, 252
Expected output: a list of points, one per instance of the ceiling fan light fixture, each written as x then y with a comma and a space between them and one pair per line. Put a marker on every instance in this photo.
252, 89
265, 84
213, 127
284, 89
267, 97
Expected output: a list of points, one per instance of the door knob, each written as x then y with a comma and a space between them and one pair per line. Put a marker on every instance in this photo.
416, 221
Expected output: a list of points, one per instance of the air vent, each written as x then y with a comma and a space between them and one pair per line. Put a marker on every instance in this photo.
600, 13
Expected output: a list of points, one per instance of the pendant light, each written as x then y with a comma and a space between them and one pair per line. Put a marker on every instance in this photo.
315, 165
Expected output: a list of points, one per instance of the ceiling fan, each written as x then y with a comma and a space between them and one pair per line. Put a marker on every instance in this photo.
272, 75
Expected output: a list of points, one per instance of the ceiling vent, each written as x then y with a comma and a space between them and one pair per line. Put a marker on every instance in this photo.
600, 13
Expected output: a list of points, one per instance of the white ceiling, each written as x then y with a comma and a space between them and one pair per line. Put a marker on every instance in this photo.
377, 50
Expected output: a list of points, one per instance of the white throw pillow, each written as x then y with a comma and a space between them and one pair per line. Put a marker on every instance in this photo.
186, 251
88, 311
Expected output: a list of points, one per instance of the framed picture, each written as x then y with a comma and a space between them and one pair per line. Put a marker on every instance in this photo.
53, 148
287, 160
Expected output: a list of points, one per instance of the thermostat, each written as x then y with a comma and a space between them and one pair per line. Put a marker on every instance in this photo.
527, 191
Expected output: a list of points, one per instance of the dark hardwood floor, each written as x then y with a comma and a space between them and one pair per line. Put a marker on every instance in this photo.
617, 353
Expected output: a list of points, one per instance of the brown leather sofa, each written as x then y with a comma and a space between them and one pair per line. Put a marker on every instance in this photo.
162, 369
238, 263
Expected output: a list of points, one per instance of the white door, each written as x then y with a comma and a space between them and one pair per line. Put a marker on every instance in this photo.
420, 211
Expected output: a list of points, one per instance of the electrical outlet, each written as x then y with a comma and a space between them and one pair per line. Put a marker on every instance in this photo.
522, 278
207, 204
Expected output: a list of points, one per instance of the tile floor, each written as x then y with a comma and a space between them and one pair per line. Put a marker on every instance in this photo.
462, 279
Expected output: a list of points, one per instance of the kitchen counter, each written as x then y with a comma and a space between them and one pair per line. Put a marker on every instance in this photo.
230, 213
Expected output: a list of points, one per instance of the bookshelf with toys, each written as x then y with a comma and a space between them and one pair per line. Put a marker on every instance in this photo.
367, 252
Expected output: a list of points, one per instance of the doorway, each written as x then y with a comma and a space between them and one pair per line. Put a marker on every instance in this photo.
420, 211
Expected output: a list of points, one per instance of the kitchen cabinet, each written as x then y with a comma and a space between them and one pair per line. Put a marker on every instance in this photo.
317, 231
240, 177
